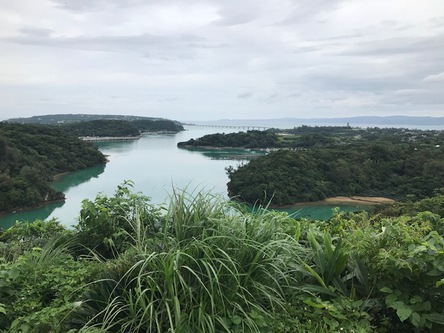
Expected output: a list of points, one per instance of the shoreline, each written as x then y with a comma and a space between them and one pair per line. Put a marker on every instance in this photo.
343, 200
109, 138
4, 213
59, 176
191, 147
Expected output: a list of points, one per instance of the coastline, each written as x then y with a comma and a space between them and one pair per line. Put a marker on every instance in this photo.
60, 175
109, 138
343, 200
191, 147
29, 208
123, 138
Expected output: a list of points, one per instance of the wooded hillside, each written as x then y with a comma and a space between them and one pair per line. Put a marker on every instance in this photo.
31, 155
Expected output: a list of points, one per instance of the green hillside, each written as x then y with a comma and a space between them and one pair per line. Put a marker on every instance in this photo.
31, 155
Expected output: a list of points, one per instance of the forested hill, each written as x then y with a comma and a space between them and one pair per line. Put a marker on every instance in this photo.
101, 128
310, 137
51, 119
104, 125
119, 128
31, 155
249, 139
329, 162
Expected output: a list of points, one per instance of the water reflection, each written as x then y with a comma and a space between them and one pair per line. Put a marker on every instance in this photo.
41, 213
227, 153
63, 184
116, 146
76, 178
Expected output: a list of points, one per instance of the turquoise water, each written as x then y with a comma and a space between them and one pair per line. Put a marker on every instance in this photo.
156, 166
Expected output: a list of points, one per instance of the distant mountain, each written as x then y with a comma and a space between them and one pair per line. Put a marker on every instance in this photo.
73, 118
363, 121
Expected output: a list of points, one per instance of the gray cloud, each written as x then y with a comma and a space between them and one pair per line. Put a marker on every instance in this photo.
245, 95
307, 9
395, 46
95, 5
175, 46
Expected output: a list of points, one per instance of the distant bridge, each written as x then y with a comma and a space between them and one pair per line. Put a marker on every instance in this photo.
247, 127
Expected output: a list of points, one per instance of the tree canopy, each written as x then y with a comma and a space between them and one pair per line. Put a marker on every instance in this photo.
31, 155
315, 163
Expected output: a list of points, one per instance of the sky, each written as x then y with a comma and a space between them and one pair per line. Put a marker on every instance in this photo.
222, 59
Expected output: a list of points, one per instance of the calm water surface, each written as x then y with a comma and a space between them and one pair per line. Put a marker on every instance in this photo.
156, 165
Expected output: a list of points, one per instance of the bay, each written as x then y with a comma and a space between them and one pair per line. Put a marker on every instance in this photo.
153, 163
156, 166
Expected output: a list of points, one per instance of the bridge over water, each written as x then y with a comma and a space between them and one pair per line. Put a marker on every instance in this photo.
240, 127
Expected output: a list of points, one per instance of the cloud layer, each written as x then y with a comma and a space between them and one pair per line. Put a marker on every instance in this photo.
208, 59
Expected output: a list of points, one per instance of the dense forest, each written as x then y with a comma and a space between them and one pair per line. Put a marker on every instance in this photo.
318, 136
119, 128
313, 163
202, 264
31, 155
52, 119
249, 139
84, 125
161, 125
285, 177
101, 128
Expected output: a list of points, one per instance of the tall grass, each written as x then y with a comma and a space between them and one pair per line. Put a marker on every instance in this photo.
211, 269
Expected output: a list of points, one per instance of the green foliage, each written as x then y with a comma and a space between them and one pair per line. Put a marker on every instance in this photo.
101, 128
372, 169
433, 204
24, 236
202, 264
157, 125
249, 139
39, 288
105, 224
415, 308
30, 156
119, 128
213, 270
144, 124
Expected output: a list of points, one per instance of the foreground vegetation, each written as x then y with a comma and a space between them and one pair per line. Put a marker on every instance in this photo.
30, 157
202, 264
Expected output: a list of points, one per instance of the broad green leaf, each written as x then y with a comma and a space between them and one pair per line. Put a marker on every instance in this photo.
386, 290
403, 312
415, 299
435, 318
415, 319
390, 299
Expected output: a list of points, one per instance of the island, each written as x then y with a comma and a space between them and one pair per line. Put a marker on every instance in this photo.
308, 164
105, 127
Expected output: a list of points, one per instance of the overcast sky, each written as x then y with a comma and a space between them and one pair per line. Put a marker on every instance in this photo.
214, 59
